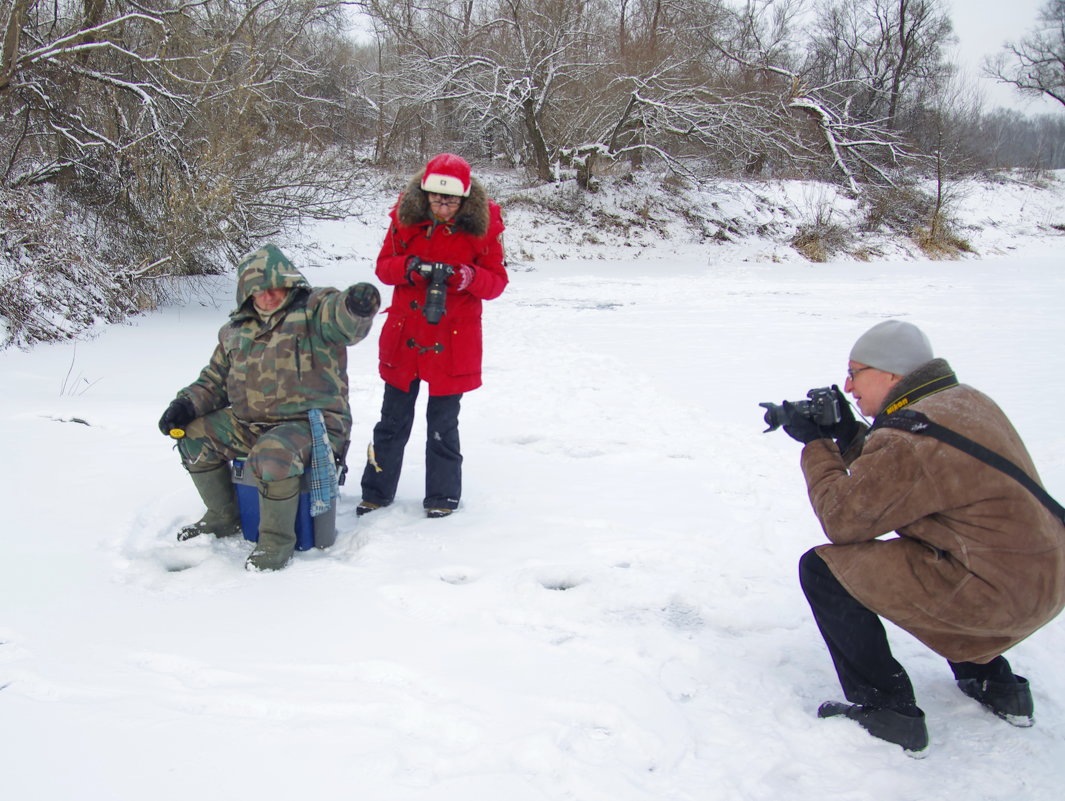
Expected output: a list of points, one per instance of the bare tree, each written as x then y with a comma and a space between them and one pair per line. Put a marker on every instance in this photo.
203, 124
882, 57
567, 87
178, 131
857, 149
1036, 64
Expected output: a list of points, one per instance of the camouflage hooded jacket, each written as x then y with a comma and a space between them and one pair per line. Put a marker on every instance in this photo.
274, 368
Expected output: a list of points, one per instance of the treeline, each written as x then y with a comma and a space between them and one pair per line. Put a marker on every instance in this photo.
1005, 139
169, 135
858, 91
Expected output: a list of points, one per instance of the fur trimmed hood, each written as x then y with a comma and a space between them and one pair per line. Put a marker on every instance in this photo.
472, 217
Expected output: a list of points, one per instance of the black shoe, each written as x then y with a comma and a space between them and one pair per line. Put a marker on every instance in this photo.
435, 513
1011, 701
907, 731
365, 507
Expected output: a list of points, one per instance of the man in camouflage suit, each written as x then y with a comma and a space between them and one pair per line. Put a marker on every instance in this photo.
282, 353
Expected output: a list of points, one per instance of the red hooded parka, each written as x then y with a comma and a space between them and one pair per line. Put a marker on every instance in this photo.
446, 355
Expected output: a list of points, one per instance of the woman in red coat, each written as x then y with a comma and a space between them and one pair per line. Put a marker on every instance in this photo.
445, 220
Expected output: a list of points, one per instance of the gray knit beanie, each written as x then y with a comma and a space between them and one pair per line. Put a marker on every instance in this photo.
893, 346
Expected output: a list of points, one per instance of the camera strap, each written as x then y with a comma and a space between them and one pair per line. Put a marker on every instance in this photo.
923, 391
917, 423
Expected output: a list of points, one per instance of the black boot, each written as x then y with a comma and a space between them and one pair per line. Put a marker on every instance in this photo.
1011, 701
907, 731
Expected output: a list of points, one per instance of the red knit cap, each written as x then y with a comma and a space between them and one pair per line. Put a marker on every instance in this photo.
447, 174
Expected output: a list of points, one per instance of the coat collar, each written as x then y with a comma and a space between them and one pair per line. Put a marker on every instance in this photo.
472, 218
931, 377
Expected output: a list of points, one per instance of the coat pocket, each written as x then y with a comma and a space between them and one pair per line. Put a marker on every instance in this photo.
391, 342
465, 346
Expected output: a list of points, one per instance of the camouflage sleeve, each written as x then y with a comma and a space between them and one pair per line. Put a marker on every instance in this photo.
208, 392
333, 322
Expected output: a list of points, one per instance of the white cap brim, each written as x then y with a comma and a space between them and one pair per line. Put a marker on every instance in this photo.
444, 185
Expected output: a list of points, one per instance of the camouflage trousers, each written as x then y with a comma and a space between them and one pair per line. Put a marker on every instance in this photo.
272, 451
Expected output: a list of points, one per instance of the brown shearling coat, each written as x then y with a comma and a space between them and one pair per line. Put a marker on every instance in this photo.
978, 563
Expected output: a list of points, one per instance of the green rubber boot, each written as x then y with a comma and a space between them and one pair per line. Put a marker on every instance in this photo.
216, 490
278, 502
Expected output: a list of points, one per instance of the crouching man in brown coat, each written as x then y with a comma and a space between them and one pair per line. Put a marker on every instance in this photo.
979, 561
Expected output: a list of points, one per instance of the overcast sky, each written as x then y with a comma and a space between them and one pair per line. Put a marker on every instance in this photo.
982, 26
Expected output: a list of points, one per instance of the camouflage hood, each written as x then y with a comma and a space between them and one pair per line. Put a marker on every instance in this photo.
266, 268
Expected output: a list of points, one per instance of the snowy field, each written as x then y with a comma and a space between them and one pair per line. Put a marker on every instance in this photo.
613, 614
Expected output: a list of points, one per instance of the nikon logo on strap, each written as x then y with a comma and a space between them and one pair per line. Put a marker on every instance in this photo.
897, 405
923, 391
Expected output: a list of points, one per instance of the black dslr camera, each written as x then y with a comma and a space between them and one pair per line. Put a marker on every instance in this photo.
822, 407
436, 293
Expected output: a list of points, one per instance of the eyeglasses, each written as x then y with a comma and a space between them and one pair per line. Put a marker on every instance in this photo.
851, 372
444, 200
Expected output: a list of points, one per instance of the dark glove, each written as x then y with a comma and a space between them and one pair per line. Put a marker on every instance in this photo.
178, 414
802, 428
363, 300
847, 428
414, 269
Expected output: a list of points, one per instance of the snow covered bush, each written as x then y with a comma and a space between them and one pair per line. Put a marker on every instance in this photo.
55, 278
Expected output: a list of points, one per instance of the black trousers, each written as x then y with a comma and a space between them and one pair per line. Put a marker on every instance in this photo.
858, 644
443, 456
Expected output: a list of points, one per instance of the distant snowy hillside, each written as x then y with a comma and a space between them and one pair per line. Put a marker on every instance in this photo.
642, 216
639, 216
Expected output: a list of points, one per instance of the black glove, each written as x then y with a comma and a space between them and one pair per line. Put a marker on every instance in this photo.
178, 414
847, 428
414, 267
802, 428
363, 300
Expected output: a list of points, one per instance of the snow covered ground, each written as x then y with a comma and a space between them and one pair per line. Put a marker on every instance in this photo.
614, 613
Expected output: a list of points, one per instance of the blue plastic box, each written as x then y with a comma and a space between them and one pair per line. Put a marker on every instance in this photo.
311, 532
